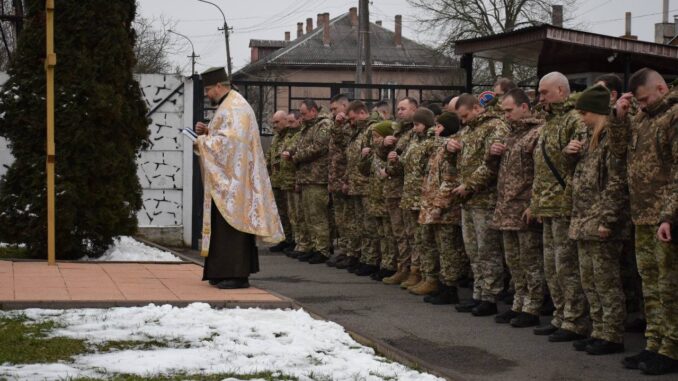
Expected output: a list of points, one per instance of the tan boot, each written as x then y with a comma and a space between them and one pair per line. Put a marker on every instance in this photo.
397, 278
413, 279
426, 287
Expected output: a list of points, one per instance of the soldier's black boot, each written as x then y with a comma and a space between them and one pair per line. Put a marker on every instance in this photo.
353, 265
563, 335
659, 364
524, 320
344, 263
366, 270
484, 309
545, 330
448, 295
632, 362
467, 305
332, 262
604, 347
306, 256
506, 316
278, 248
580, 345
317, 258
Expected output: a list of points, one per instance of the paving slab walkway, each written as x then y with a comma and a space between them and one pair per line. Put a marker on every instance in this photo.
26, 284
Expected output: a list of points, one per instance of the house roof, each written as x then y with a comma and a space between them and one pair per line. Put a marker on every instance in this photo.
268, 43
571, 51
310, 51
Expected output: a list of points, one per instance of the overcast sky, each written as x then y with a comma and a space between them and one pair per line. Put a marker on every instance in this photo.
269, 19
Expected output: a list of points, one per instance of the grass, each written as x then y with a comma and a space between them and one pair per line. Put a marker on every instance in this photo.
268, 376
121, 345
23, 342
14, 252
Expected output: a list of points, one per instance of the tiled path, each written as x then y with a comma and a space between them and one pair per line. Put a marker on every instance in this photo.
68, 284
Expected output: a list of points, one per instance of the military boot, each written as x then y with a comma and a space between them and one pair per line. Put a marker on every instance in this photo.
659, 364
413, 279
400, 276
447, 295
425, 287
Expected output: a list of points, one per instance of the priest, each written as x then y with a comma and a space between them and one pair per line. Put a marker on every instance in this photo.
239, 208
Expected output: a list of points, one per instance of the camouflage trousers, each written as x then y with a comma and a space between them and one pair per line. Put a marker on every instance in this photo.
483, 247
363, 236
342, 220
281, 203
443, 256
398, 228
388, 246
314, 201
658, 267
633, 289
411, 218
561, 269
601, 281
525, 262
296, 215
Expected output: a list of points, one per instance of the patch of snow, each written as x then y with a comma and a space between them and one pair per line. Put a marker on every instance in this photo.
20, 246
127, 249
239, 341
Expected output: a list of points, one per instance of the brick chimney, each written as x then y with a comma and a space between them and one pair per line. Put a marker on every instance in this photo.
309, 25
353, 11
319, 21
378, 22
398, 30
557, 16
326, 29
300, 29
287, 36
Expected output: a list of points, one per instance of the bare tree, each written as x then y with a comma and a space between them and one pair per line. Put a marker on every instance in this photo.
455, 20
11, 21
153, 45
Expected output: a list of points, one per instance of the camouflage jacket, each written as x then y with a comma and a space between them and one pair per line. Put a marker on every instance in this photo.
339, 137
288, 171
393, 189
516, 173
310, 152
549, 198
411, 165
436, 191
273, 158
599, 193
356, 180
474, 173
653, 161
371, 165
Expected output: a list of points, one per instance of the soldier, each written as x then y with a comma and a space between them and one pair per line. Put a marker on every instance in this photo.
373, 166
652, 158
310, 157
384, 110
521, 235
393, 190
288, 178
477, 188
440, 217
502, 86
337, 171
599, 222
411, 164
279, 122
552, 203
364, 240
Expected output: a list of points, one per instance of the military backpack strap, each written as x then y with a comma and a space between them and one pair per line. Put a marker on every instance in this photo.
549, 163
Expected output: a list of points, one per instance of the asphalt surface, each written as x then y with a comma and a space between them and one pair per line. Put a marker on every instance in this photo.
459, 346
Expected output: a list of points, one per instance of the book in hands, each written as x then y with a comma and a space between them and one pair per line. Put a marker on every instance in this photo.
190, 134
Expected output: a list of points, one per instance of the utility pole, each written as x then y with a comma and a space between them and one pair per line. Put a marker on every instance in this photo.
50, 63
227, 33
192, 56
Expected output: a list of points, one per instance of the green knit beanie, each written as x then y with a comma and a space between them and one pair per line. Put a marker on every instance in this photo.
424, 116
384, 128
450, 121
595, 99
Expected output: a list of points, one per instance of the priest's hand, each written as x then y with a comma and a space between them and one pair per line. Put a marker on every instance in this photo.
201, 128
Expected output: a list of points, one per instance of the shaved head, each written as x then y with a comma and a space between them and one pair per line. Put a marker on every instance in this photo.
452, 106
279, 120
647, 86
554, 88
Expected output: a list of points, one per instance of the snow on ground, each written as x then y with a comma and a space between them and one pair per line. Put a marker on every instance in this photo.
127, 249
204, 341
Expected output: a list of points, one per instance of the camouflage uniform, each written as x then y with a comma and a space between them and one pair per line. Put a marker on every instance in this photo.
600, 198
522, 242
364, 236
339, 137
652, 163
310, 156
553, 204
482, 244
442, 241
393, 190
273, 161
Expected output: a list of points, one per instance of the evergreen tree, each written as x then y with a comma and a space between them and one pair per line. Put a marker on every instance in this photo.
100, 128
